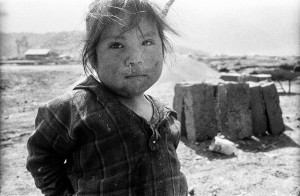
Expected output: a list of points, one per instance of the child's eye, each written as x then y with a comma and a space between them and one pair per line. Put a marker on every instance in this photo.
148, 43
116, 45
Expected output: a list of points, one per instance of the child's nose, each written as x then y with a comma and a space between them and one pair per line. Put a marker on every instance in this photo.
135, 56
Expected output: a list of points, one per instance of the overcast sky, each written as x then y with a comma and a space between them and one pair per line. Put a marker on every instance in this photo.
216, 26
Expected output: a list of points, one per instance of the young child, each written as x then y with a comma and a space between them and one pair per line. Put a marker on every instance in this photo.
107, 137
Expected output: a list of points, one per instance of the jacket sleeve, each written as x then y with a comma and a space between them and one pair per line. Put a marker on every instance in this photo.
48, 148
175, 126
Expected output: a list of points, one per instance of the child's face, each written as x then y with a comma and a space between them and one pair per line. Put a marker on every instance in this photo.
129, 63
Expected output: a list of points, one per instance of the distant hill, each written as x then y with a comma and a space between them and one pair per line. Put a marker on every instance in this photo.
190, 51
61, 42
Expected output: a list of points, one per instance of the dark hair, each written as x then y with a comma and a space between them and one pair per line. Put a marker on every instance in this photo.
103, 13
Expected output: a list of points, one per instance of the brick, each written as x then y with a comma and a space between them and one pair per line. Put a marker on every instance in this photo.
259, 77
179, 106
230, 77
233, 110
259, 116
274, 113
195, 105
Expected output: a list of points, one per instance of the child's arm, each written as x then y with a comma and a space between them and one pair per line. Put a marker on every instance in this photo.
48, 148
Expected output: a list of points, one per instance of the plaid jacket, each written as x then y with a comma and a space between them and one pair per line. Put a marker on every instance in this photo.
88, 143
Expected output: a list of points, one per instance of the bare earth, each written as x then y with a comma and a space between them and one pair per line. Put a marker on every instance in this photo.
267, 166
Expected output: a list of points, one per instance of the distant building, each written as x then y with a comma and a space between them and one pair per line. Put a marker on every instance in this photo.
65, 56
39, 54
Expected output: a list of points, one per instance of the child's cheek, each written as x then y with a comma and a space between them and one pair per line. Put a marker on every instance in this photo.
115, 63
155, 55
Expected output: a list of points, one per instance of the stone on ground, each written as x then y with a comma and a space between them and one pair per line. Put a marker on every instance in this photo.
274, 113
234, 110
195, 105
259, 116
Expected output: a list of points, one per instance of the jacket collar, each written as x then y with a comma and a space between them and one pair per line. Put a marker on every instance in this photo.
103, 94
106, 96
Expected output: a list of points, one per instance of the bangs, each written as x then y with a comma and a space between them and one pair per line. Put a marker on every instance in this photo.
124, 13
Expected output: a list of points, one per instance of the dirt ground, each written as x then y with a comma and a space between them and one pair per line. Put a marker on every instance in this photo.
264, 166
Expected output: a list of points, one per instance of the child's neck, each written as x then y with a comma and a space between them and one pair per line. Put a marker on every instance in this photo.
138, 104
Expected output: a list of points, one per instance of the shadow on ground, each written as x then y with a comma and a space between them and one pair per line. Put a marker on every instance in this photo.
288, 94
263, 143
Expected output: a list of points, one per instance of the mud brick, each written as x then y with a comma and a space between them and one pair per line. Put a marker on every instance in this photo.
195, 105
230, 77
259, 77
259, 116
237, 77
274, 113
179, 106
179, 93
233, 110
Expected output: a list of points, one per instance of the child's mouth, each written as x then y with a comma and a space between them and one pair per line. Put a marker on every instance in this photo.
135, 76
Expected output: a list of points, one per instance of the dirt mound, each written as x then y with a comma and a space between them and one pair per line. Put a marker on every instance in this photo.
180, 68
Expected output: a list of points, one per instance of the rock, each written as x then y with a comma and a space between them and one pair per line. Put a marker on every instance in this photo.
274, 113
233, 110
258, 109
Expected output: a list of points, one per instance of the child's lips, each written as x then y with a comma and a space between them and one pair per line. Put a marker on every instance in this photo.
135, 76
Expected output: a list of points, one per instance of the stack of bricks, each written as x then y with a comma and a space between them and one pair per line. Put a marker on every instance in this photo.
236, 110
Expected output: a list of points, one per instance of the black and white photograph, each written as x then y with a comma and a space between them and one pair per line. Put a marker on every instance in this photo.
150, 97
